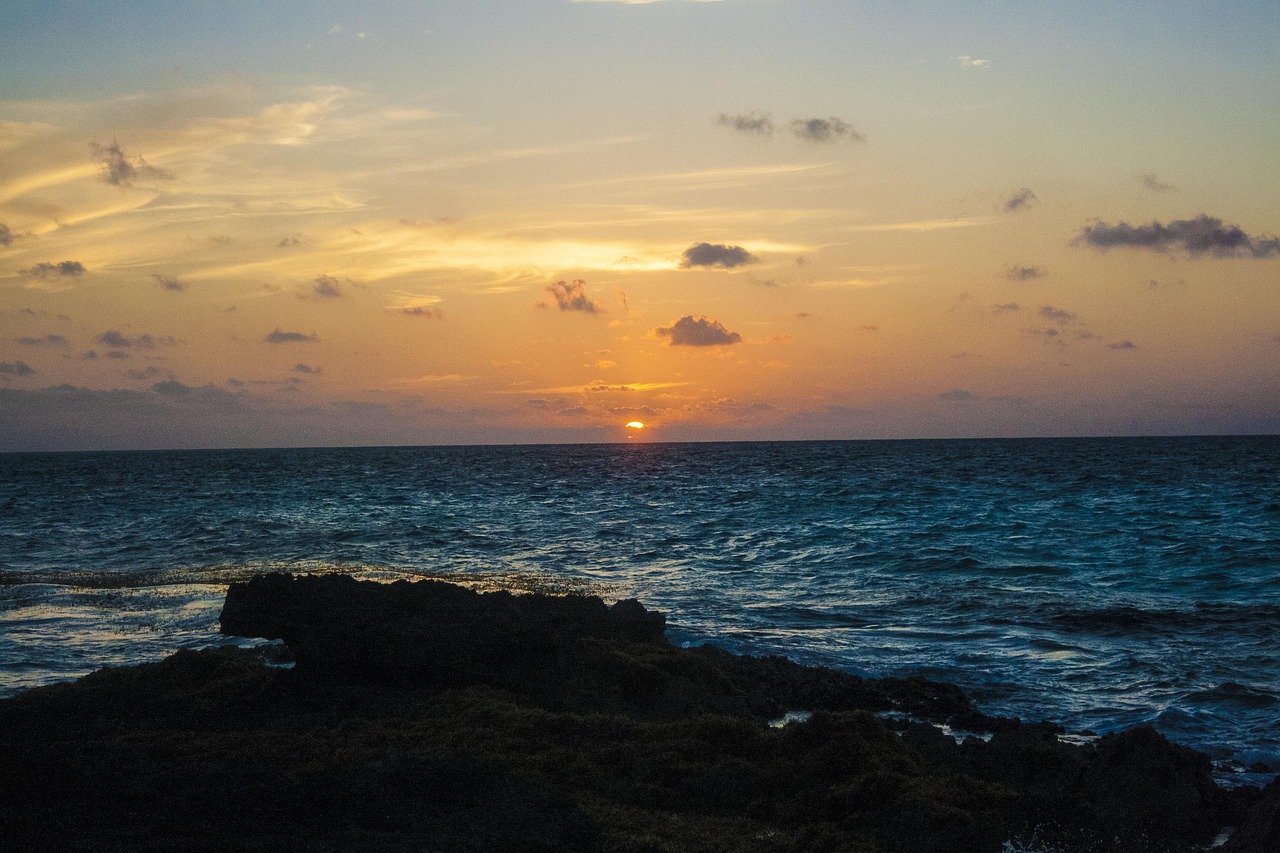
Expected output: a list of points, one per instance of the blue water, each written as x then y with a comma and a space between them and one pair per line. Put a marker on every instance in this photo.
1099, 583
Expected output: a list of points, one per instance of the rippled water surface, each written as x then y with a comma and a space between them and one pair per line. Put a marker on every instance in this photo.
1099, 582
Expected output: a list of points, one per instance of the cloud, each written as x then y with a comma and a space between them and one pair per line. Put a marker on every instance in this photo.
62, 269
116, 340
757, 123
1005, 308
1198, 236
307, 368
1123, 345
1019, 200
6, 236
572, 296
49, 340
973, 62
824, 130
716, 255
147, 373
1057, 315
118, 171
15, 369
1021, 273
423, 311
327, 287
700, 332
281, 337
958, 395
169, 282
1151, 182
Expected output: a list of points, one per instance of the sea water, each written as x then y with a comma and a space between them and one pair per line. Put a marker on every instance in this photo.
1099, 583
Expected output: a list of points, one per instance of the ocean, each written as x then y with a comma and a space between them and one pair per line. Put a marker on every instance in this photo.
1098, 583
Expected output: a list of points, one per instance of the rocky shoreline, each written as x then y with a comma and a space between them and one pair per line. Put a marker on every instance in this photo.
426, 716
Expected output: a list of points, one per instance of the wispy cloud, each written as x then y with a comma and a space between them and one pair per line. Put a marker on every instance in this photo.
701, 331
753, 123
118, 170
62, 269
279, 336
169, 282
117, 340
831, 129
1024, 273
1151, 182
1201, 235
973, 62
1019, 200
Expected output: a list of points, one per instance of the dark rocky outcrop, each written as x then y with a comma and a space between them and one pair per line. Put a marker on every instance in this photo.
428, 717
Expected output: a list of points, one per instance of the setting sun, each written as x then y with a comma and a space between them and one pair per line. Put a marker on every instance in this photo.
635, 425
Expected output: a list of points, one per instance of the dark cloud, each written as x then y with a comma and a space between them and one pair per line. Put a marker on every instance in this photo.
117, 169
423, 311
958, 395
757, 123
1005, 308
1057, 315
700, 332
307, 368
572, 296
117, 353
113, 338
168, 282
1151, 182
1019, 200
50, 340
824, 130
1198, 236
6, 236
62, 269
716, 255
281, 337
289, 243
327, 287
15, 369
147, 373
1123, 345
1021, 273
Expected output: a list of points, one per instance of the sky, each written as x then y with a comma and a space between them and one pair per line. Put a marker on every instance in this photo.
254, 223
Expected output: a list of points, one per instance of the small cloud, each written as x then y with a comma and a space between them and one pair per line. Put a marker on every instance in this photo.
15, 369
1198, 236
824, 130
1022, 273
288, 243
699, 332
973, 62
281, 337
327, 287
307, 368
114, 339
756, 123
148, 373
572, 296
423, 311
50, 340
1123, 345
1057, 315
958, 395
6, 236
1005, 308
1019, 200
62, 269
118, 171
716, 255
169, 282
1151, 182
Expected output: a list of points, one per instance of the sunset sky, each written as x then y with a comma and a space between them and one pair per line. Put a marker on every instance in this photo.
346, 223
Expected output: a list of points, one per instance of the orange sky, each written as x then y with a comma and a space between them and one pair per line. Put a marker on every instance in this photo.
419, 223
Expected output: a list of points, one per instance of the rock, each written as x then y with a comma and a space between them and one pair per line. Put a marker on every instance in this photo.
429, 630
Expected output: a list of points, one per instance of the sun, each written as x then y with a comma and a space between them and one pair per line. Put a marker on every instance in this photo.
635, 425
